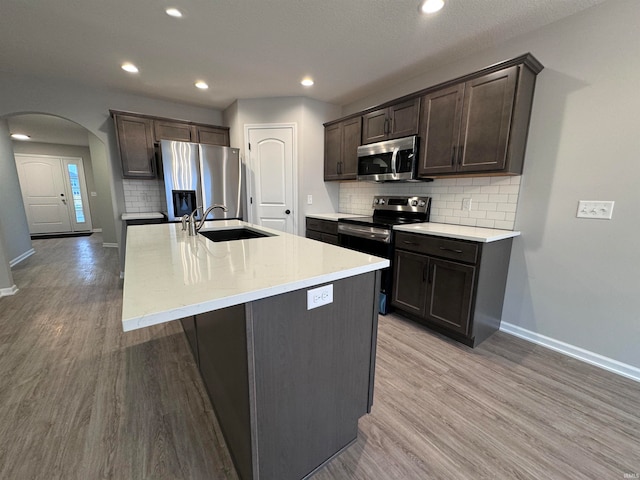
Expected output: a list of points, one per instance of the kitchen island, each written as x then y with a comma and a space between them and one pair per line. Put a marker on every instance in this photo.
289, 369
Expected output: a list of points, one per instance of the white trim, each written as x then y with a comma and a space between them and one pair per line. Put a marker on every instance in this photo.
294, 127
110, 245
22, 257
96, 230
5, 292
578, 353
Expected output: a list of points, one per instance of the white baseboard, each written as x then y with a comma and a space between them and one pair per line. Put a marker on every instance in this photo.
578, 353
22, 257
110, 245
97, 230
5, 292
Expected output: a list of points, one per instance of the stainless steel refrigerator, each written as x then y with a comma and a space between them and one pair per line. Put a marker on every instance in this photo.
201, 175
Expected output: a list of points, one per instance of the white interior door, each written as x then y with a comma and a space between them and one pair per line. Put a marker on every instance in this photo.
49, 198
271, 152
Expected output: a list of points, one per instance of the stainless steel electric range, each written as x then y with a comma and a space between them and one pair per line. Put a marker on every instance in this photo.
374, 235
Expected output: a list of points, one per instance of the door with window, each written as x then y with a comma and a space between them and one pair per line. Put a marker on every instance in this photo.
54, 193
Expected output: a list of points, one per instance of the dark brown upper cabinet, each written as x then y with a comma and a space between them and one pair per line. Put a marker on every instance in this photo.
396, 121
479, 126
135, 143
167, 130
212, 135
341, 142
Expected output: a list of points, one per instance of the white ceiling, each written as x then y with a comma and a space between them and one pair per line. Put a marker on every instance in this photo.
255, 48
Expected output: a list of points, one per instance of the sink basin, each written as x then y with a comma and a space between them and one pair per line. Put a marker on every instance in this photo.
232, 234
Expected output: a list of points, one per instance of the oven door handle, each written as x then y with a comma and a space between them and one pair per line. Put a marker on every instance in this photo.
372, 233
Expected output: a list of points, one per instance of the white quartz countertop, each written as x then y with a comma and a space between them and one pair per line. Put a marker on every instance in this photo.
141, 216
461, 232
334, 217
170, 275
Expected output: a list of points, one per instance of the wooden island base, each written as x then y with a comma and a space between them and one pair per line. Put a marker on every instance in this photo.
289, 384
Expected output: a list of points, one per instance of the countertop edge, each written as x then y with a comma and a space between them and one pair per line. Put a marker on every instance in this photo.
178, 313
475, 234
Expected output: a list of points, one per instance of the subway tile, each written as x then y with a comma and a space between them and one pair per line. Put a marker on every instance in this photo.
459, 189
478, 214
510, 216
513, 199
506, 207
504, 225
447, 212
445, 181
471, 222
472, 189
497, 198
452, 220
453, 205
515, 180
481, 180
488, 206
509, 189
499, 181
496, 215
464, 181
437, 218
490, 189
481, 222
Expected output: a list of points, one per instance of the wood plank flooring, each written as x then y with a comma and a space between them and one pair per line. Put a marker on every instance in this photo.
81, 399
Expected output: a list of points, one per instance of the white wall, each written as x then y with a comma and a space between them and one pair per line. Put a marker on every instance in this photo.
15, 229
89, 107
570, 279
308, 115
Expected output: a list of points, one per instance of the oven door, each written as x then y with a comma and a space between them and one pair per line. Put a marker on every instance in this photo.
372, 241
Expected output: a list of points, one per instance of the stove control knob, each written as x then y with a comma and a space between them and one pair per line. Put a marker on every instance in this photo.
414, 203
376, 201
421, 203
382, 201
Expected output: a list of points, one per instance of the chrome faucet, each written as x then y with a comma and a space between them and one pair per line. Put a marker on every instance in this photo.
194, 227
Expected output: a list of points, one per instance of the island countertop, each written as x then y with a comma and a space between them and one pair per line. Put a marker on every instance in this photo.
170, 275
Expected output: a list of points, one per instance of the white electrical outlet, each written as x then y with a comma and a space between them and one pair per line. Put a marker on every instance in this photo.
317, 297
309, 199
602, 210
466, 204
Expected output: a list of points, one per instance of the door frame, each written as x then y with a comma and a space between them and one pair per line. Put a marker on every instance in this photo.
64, 160
251, 213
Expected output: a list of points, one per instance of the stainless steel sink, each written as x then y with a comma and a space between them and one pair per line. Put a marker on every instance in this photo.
228, 235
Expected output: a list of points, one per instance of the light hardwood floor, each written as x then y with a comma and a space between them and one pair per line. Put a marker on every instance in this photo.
81, 399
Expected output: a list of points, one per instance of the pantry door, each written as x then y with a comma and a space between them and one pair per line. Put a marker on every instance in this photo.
54, 194
272, 185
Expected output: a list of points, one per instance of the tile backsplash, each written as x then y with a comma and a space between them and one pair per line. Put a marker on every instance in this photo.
142, 196
493, 199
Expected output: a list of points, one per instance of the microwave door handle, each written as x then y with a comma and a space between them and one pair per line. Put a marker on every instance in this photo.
394, 159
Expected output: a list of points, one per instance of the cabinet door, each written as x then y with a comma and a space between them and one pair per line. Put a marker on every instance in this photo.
375, 126
135, 142
332, 151
449, 294
403, 119
182, 132
486, 121
440, 129
212, 136
409, 282
351, 135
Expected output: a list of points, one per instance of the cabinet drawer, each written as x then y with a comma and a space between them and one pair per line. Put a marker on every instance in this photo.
438, 246
325, 226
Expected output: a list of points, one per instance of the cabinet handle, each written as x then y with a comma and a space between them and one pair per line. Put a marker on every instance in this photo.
425, 270
338, 168
453, 156
407, 242
431, 269
450, 250
386, 126
460, 154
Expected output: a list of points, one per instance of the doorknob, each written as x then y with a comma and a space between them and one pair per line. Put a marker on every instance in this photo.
287, 211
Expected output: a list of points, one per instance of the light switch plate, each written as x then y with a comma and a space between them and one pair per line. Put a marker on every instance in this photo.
320, 296
599, 209
309, 199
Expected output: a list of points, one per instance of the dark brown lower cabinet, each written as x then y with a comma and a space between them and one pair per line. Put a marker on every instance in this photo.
322, 230
453, 286
288, 384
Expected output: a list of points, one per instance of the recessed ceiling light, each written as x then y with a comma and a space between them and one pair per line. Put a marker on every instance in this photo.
431, 6
20, 136
202, 85
173, 12
129, 67
307, 82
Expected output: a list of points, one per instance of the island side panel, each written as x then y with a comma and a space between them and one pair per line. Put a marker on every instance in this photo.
222, 348
311, 374
374, 340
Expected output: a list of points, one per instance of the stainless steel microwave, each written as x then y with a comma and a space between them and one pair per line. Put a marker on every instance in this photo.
391, 160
